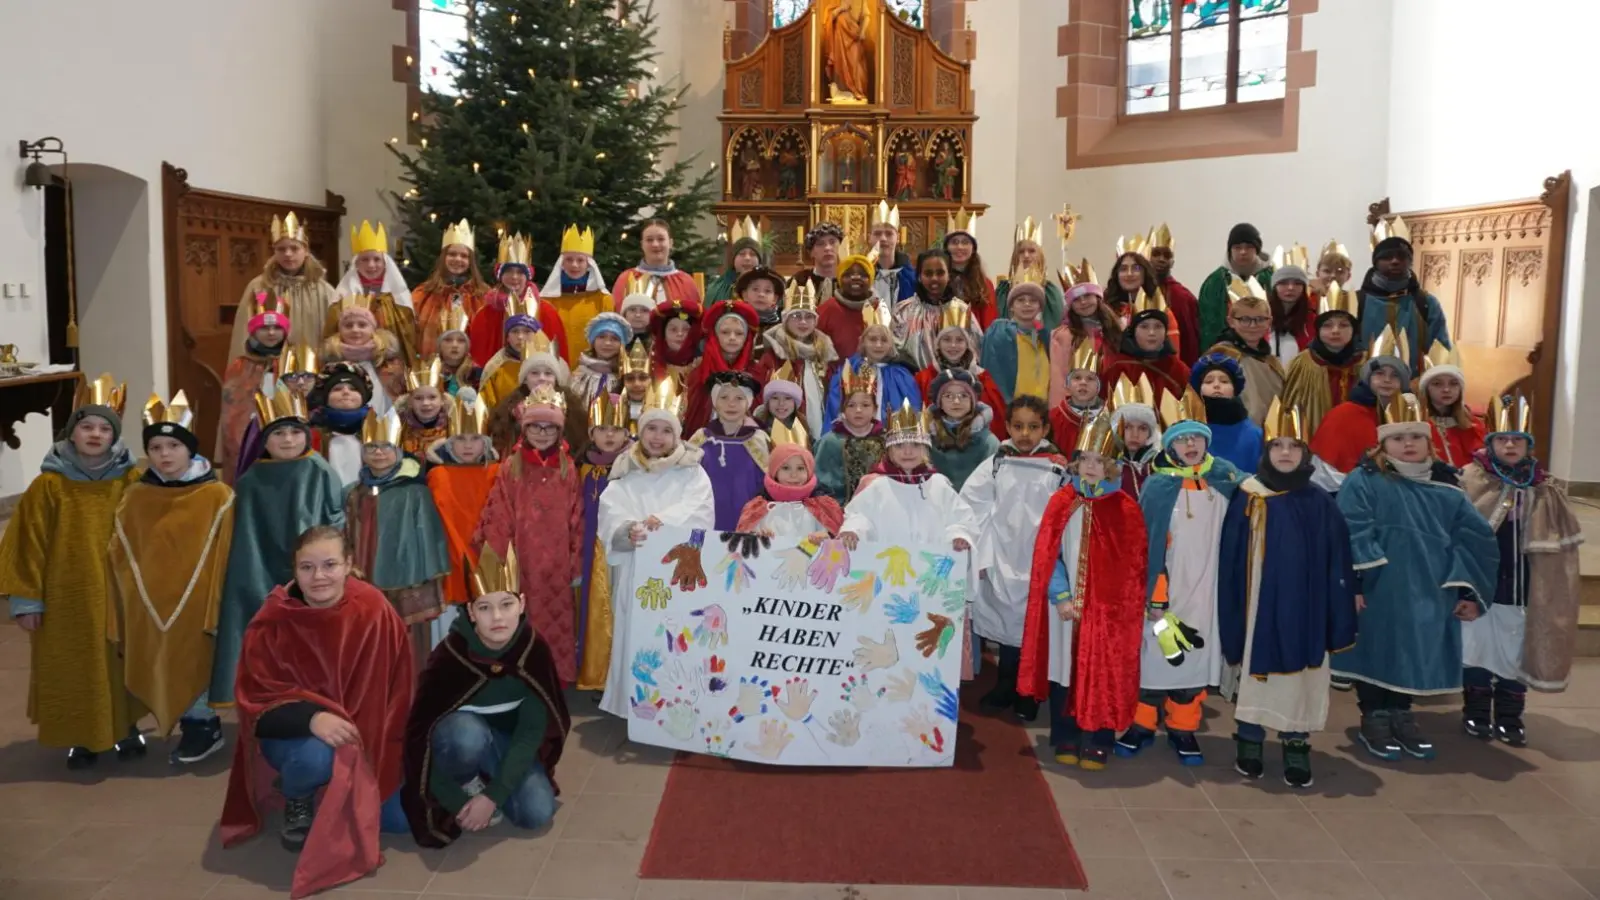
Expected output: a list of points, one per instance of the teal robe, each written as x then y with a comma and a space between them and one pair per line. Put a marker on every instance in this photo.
957, 463
274, 502
399, 538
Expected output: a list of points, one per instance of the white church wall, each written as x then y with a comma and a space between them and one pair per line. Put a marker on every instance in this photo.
362, 107
1467, 126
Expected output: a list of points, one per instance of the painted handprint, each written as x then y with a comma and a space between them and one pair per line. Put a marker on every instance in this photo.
675, 635
876, 654
645, 703
653, 594
899, 687
897, 566
945, 702
715, 733
936, 577
746, 545
752, 699
712, 630
678, 682
832, 561
858, 694
791, 572
903, 610
844, 728
919, 725
687, 572
774, 738
954, 598
645, 664
713, 674
937, 637
859, 594
677, 717
735, 572
796, 698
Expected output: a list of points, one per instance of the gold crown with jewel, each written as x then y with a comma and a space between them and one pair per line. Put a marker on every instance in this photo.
178, 412
964, 221
1388, 228
1296, 255
515, 250
1189, 409
1031, 231
794, 436
453, 319
282, 403
288, 228
1510, 414
906, 425
546, 395
862, 379
875, 312
459, 233
637, 358
801, 296
1283, 421
608, 411
575, 241
105, 391
1135, 244
298, 359
1072, 276
494, 574
384, 429
1096, 435
665, 395
887, 215
469, 417
366, 238
428, 373
1086, 357
1160, 238
955, 314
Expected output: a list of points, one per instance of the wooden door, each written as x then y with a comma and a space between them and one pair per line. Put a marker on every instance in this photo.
1497, 270
215, 243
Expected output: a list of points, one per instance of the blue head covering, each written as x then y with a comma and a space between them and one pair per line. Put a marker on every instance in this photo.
1218, 361
607, 323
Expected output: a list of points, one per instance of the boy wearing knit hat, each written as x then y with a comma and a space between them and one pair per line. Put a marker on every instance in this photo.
1016, 349
1392, 297
1244, 261
735, 448
339, 405
1235, 437
747, 250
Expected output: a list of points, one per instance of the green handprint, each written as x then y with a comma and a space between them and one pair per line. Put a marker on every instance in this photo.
677, 717
936, 577
653, 594
897, 569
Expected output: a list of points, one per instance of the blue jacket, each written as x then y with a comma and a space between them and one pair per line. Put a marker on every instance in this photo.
1239, 443
899, 383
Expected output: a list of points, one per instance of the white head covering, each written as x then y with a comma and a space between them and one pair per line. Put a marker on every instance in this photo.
552, 285
393, 283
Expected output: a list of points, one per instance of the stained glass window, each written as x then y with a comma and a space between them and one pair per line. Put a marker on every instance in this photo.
441, 28
908, 11
1191, 54
785, 12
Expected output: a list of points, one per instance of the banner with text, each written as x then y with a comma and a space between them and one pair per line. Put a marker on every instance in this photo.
796, 655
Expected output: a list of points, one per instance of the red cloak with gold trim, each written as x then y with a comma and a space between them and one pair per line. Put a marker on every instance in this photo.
1167, 373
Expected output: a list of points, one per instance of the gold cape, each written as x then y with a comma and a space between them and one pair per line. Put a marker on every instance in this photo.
169, 555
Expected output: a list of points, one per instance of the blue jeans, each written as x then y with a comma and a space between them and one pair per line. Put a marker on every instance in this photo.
306, 764
464, 747
1250, 731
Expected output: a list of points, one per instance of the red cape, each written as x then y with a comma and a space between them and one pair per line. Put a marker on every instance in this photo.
1456, 445
679, 286
1347, 432
1107, 637
352, 659
1186, 310
1167, 374
823, 508
842, 325
486, 329
988, 392
1065, 423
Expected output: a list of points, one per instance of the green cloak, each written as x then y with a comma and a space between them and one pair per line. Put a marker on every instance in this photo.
398, 539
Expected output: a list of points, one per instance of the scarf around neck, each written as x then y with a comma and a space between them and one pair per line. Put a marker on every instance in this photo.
918, 475
1415, 471
63, 459
666, 268
789, 493
1225, 410
342, 421
1167, 465
1091, 490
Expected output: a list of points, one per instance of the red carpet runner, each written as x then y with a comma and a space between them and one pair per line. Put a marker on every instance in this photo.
989, 820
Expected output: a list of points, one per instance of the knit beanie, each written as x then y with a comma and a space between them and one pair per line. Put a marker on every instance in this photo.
948, 377
105, 413
1289, 273
1389, 246
607, 323
1222, 361
1244, 233
1026, 289
167, 429
546, 359
750, 244
1186, 428
657, 414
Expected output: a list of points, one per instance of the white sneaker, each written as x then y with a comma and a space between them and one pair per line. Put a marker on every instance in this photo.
476, 787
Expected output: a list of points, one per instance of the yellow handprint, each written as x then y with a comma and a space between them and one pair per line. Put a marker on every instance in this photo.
897, 568
653, 594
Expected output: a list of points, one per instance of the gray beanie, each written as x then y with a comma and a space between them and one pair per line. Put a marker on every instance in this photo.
1289, 273
98, 411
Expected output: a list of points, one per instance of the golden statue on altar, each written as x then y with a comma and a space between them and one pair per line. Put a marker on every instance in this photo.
848, 42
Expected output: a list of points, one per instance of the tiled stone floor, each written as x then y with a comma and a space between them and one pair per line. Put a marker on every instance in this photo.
1480, 822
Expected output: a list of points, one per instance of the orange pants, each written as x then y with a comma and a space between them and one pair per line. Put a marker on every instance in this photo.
1183, 708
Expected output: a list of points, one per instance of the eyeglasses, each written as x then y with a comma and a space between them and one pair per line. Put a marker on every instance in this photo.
544, 428
1252, 321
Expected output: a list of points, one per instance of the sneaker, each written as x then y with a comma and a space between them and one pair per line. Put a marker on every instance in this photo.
1377, 734
199, 739
1133, 740
1247, 761
131, 747
79, 758
1067, 754
297, 816
1026, 708
1093, 758
1477, 713
1297, 764
1477, 727
1409, 736
1187, 747
1340, 683
1510, 731
476, 787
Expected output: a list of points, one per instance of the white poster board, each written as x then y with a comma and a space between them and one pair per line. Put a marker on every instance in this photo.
826, 658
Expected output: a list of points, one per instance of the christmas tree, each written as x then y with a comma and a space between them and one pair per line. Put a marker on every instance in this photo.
558, 119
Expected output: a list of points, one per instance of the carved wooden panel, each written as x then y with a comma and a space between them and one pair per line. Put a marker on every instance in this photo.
946, 93
903, 71
750, 89
794, 70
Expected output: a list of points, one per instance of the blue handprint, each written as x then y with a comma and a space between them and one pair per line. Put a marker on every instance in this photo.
936, 576
645, 664
903, 610
944, 699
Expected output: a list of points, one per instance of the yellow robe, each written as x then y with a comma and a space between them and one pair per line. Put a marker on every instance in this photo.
499, 379
576, 311
54, 550
169, 555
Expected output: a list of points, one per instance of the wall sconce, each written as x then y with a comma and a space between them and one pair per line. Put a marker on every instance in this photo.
38, 175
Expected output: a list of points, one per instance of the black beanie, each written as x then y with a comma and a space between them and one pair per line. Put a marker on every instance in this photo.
336, 374
166, 429
1244, 233
1390, 245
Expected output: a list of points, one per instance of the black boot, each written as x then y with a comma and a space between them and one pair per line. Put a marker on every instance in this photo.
1026, 708
1508, 704
200, 739
1004, 693
1476, 711
132, 746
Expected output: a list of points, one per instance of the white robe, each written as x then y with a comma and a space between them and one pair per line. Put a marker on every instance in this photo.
928, 513
1195, 533
1008, 495
1061, 630
789, 522
679, 496
344, 457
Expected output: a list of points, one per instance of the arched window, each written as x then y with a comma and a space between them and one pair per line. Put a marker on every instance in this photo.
1193, 54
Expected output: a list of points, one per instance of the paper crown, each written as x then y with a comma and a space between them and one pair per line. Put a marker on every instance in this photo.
178, 412
1388, 228
637, 358
801, 296
1402, 409
282, 403
962, 221
366, 238
104, 390
298, 359
1096, 435
1086, 356
1283, 421
955, 314
1246, 288
1333, 246
1387, 343
1134, 244
575, 241
906, 421
1510, 414
1293, 256
876, 312
665, 395
546, 395
515, 250
1130, 393
263, 304
1030, 230
469, 417
1160, 237
1143, 302
862, 379
744, 229
793, 436
887, 215
784, 372
459, 233
608, 411
1083, 273
1189, 409
641, 285
427, 373
356, 302
384, 429
1439, 355
453, 318
289, 228
493, 574
1337, 299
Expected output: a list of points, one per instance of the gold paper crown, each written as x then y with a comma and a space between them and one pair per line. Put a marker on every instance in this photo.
1033, 273
962, 220
641, 285
801, 296
875, 312
636, 359
795, 436
493, 574
428, 373
459, 233
546, 395
1083, 273
1086, 356
1510, 415
1293, 256
383, 429
262, 305
538, 342
469, 417
1134, 244
1189, 409
1097, 436
1337, 299
1402, 409
955, 314
281, 404
178, 412
102, 391
1249, 287
453, 318
298, 359
355, 301
861, 380
743, 229
1439, 355
906, 420
1143, 302
664, 395
288, 227
1160, 237
887, 215
575, 241
1395, 227
515, 250
1333, 246
367, 238
1129, 393
608, 411
1387, 343
1283, 422
1030, 230
784, 372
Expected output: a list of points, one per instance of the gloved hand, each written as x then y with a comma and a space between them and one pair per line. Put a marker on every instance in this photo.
1176, 638
746, 544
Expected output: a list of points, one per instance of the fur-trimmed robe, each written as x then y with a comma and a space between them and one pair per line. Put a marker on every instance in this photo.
308, 296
